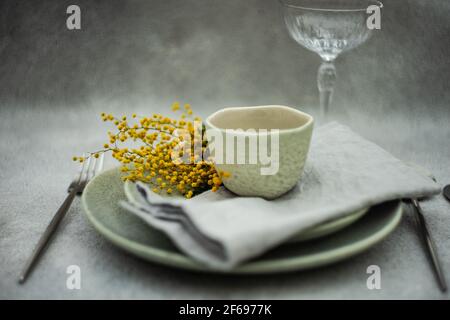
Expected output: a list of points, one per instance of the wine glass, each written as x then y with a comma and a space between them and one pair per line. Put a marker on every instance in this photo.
327, 28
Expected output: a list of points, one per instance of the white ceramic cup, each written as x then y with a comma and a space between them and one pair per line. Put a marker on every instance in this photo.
263, 148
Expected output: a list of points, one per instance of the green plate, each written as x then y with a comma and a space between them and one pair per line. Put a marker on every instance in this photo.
315, 232
328, 227
100, 201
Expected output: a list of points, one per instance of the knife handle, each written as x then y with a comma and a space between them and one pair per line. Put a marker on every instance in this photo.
430, 245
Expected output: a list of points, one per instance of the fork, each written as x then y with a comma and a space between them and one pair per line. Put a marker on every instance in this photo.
88, 169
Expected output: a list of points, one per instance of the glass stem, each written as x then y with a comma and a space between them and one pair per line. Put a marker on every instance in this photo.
326, 78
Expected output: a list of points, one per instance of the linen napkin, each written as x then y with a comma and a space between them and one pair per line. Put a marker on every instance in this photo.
344, 173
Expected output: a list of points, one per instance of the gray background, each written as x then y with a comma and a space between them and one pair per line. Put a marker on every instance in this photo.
140, 56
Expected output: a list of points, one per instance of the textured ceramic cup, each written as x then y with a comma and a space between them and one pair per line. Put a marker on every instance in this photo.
285, 131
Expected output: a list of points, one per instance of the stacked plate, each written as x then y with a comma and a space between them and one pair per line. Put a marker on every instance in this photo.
324, 244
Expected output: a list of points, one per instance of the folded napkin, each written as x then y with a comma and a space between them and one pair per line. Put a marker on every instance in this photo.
344, 173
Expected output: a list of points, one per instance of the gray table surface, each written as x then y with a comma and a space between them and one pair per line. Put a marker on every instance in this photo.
140, 56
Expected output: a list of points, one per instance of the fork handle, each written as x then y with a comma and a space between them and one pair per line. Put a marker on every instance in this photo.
46, 236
